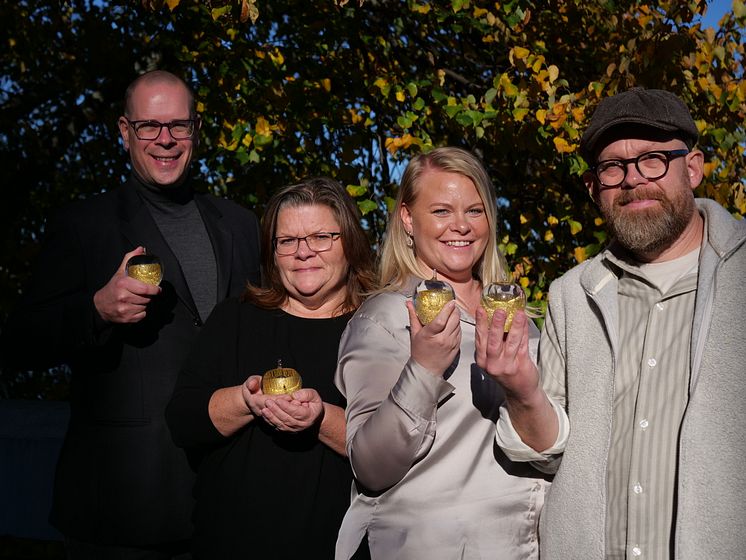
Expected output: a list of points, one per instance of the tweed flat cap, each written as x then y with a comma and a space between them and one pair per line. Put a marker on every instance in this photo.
653, 108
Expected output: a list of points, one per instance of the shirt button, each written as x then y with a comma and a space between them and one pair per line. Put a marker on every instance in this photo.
652, 362
637, 488
644, 423
659, 306
636, 551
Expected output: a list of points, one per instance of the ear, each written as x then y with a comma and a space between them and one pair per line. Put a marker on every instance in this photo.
591, 185
406, 217
124, 131
695, 168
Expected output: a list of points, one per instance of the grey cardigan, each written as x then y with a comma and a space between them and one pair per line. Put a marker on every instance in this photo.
582, 320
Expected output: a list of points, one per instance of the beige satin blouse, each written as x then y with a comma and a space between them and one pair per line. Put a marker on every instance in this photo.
428, 443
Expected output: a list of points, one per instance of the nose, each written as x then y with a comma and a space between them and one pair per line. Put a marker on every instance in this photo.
164, 137
304, 250
460, 224
632, 177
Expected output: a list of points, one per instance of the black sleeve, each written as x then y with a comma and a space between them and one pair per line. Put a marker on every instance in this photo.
210, 366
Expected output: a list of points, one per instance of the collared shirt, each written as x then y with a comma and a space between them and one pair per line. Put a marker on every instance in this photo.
650, 395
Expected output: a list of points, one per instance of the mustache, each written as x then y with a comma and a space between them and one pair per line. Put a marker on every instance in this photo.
633, 195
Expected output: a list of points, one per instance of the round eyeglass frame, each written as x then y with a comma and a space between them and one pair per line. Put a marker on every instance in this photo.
664, 156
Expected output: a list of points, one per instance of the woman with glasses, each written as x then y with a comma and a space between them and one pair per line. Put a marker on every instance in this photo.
273, 480
421, 415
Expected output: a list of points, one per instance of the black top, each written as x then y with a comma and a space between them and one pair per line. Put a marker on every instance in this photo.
261, 493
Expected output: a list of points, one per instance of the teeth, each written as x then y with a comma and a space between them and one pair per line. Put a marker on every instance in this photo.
458, 243
165, 158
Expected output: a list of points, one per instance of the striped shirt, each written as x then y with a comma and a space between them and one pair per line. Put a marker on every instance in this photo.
650, 395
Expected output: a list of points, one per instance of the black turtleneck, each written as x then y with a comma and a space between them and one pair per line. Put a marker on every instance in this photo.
179, 221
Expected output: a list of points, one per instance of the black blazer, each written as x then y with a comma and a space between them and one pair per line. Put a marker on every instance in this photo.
120, 479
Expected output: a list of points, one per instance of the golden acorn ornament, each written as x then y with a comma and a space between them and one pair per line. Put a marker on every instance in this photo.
430, 297
145, 268
506, 296
281, 380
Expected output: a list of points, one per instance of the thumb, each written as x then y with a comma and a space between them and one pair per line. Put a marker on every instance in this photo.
127, 256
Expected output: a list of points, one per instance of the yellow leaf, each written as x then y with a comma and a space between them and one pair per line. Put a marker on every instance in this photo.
400, 96
523, 282
598, 221
519, 114
441, 76
421, 9
479, 12
246, 141
355, 117
172, 4
520, 52
579, 254
610, 69
548, 235
277, 57
562, 146
552, 221
262, 127
541, 115
575, 227
578, 114
200, 107
380, 83
553, 73
326, 83
523, 219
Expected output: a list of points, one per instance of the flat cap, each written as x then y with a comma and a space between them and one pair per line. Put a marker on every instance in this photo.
655, 108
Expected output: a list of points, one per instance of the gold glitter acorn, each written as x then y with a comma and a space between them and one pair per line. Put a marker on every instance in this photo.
280, 380
145, 268
430, 297
506, 296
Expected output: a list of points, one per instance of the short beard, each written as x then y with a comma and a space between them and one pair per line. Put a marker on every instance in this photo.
651, 230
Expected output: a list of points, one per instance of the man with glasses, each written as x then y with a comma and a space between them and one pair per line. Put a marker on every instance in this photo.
644, 347
123, 489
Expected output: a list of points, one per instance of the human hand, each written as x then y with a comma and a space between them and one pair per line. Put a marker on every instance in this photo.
124, 299
299, 413
255, 399
434, 346
505, 356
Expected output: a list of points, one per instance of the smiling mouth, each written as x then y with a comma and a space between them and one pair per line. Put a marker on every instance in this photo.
458, 243
165, 158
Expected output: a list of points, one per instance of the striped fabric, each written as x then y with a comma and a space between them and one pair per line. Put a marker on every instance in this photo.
650, 396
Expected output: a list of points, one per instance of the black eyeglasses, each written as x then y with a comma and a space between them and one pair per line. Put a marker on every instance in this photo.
651, 165
317, 242
150, 130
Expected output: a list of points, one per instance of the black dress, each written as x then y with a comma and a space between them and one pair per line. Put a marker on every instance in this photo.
261, 493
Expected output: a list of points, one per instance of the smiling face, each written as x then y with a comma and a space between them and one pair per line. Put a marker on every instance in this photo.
315, 281
448, 224
649, 217
164, 161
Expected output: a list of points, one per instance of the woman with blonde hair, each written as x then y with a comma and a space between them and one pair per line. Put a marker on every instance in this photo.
430, 481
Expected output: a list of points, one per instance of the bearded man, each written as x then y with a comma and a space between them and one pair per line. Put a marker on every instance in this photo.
643, 350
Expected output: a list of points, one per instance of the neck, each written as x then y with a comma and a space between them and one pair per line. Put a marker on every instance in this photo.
312, 309
178, 194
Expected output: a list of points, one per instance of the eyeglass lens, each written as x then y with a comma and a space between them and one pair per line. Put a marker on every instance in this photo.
651, 165
317, 242
150, 130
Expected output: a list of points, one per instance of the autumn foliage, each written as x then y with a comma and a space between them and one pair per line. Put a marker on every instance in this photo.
290, 88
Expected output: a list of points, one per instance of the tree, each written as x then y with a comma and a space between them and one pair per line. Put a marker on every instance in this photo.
353, 90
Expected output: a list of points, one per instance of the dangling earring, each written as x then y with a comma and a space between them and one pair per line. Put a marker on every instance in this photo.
410, 240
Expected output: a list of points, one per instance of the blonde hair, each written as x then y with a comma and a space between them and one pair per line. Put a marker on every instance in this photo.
398, 261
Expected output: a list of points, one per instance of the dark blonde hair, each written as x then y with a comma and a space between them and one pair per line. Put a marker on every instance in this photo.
398, 260
321, 191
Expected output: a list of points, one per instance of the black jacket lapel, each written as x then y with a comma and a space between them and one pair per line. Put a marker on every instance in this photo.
138, 226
